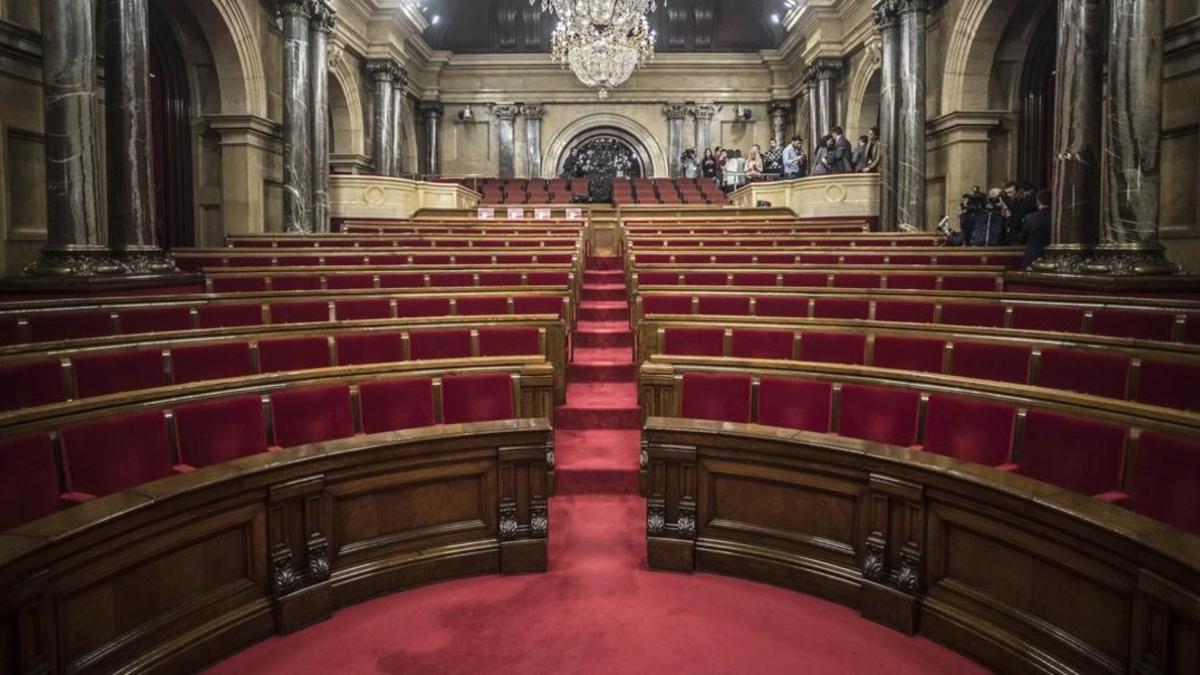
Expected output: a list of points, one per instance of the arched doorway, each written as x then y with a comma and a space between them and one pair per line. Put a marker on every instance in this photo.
170, 120
603, 154
1035, 156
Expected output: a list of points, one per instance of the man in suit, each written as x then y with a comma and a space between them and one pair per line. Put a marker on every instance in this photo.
842, 152
1035, 230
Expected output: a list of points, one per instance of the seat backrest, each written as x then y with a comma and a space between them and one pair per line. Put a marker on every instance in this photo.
694, 341
481, 305
154, 319
1088, 372
418, 307
230, 314
841, 308
1080, 454
992, 362
973, 314
1165, 482
1173, 385
1132, 323
508, 341
833, 347
453, 343
721, 398
28, 480
477, 398
69, 325
969, 429
197, 363
910, 311
666, 304
41, 383
306, 311
360, 309
538, 304
293, 353
781, 306
1047, 317
359, 348
111, 372
879, 414
724, 305
115, 453
311, 415
909, 353
218, 431
762, 344
389, 405
795, 403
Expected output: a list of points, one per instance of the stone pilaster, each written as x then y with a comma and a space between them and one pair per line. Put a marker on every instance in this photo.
320, 28
397, 122
432, 113
297, 115
533, 137
704, 114
383, 73
911, 199
780, 112
675, 113
814, 122
888, 25
506, 115
828, 71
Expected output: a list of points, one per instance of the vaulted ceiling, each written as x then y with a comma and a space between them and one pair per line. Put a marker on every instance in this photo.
507, 26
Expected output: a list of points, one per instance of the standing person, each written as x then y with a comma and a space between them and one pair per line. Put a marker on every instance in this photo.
754, 163
708, 165
691, 167
872, 153
859, 158
839, 162
722, 159
823, 162
989, 223
1020, 203
1035, 230
734, 171
793, 159
570, 164
773, 159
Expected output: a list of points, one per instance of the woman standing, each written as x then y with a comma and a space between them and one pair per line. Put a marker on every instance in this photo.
708, 166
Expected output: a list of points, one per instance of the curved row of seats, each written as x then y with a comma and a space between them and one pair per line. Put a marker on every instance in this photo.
43, 471
731, 256
384, 258
964, 278
236, 281
344, 241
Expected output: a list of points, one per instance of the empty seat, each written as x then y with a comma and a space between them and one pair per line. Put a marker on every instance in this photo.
338, 282
721, 398
293, 353
155, 319
402, 280
1088, 372
72, 325
228, 315
477, 398
439, 344
666, 304
548, 278
312, 415
781, 306
762, 344
914, 282
41, 383
500, 279
418, 307
1047, 317
538, 304
752, 278
973, 314
362, 309
923, 355
970, 430
389, 405
1075, 453
197, 363
28, 480
978, 283
296, 282
805, 279
481, 305
705, 279
841, 308
309, 311
112, 372
218, 431
1136, 324
693, 341
910, 311
114, 454
724, 305
1165, 482
509, 342
451, 279
795, 404
1168, 384
879, 414
361, 348
658, 279
857, 280
993, 362
833, 347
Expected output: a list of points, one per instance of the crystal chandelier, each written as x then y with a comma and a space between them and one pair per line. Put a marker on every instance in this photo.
602, 41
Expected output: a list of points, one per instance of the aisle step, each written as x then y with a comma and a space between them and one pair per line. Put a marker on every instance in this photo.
599, 405
605, 262
603, 277
603, 334
604, 292
597, 461
604, 310
602, 371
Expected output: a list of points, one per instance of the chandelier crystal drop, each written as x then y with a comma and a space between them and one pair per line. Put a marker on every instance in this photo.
602, 41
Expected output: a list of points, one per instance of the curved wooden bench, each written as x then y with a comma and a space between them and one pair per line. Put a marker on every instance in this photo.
658, 278
176, 574
381, 259
1017, 574
642, 242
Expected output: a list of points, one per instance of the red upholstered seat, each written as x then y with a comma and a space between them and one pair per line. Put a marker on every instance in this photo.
918, 354
727, 305
112, 372
361, 309
857, 280
841, 308
358, 348
293, 353
658, 279
781, 305
114, 454
833, 347
430, 259
1191, 329
693, 258
993, 362
706, 279
307, 311
155, 319
666, 304
518, 260
508, 342
547, 278
197, 363
795, 404
762, 344
472, 259
1172, 385
28, 480
439, 344
388, 405
538, 304
819, 259
402, 280
296, 282
1059, 318
805, 279
1136, 324
721, 398
500, 279
449, 279
417, 307
917, 282
339, 282
1088, 372
969, 429
778, 258
72, 325
10, 331
239, 284
481, 305
554, 258
694, 341
753, 278
223, 315
312, 415
879, 414
1165, 482
911, 311
477, 398
218, 431
973, 314
40, 381
983, 283
1075, 453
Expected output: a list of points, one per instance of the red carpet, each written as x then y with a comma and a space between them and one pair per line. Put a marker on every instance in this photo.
598, 609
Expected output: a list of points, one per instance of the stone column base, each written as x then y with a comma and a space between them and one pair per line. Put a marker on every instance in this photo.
1106, 259
148, 260
76, 261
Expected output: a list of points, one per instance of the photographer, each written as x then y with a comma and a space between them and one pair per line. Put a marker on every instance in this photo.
691, 167
971, 204
987, 222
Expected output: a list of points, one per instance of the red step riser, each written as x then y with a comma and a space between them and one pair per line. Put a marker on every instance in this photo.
612, 262
604, 294
603, 313
614, 339
623, 372
593, 277
566, 417
595, 481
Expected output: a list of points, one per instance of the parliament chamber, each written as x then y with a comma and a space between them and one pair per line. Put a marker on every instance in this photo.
599, 336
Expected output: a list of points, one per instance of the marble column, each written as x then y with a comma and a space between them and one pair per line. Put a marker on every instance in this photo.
432, 112
397, 122
780, 111
383, 72
132, 215
75, 244
911, 165
533, 138
887, 23
320, 28
814, 122
704, 114
1134, 126
675, 113
506, 116
829, 71
297, 116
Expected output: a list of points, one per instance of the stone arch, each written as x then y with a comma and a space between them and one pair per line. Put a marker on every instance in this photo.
864, 94
346, 108
974, 40
656, 156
